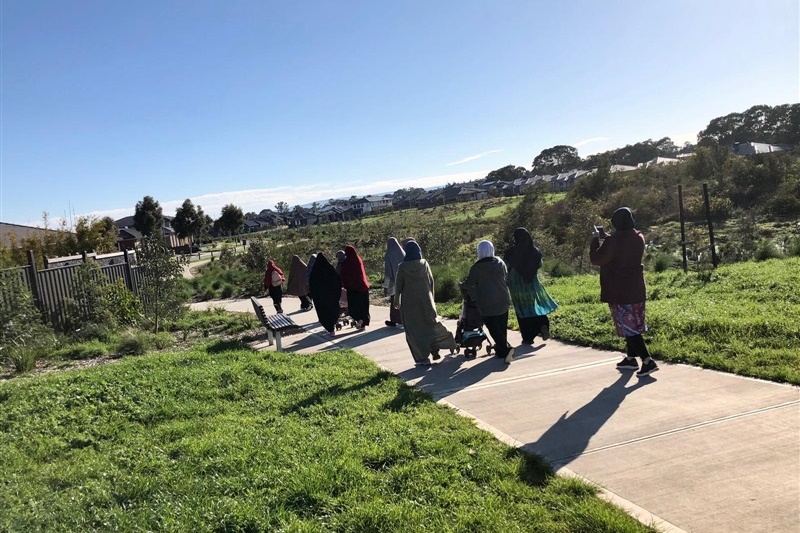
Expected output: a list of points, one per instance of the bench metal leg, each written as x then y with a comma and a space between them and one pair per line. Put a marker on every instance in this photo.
270, 337
278, 346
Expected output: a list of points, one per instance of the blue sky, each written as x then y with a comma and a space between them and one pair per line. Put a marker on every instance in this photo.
255, 102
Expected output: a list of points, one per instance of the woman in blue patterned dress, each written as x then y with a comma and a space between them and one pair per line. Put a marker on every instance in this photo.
531, 302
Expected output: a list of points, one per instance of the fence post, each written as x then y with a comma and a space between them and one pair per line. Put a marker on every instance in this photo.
128, 273
714, 260
35, 281
683, 229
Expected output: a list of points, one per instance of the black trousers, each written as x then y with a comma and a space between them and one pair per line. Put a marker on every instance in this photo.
305, 302
498, 329
276, 293
531, 326
635, 347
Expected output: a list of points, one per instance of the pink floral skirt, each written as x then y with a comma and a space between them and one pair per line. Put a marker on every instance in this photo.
629, 319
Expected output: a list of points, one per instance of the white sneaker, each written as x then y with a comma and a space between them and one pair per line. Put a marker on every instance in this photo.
510, 355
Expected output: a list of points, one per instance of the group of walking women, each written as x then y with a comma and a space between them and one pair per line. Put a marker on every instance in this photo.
493, 283
325, 287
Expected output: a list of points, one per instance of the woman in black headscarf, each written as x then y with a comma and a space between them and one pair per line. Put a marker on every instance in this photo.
531, 302
325, 287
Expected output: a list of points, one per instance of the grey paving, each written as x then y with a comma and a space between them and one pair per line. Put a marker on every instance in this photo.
687, 448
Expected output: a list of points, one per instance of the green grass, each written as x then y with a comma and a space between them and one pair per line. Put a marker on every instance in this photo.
742, 318
221, 438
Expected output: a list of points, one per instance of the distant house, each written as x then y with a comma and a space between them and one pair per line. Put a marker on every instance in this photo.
566, 180
251, 225
303, 218
467, 194
750, 148
170, 237
430, 198
367, 204
10, 233
622, 168
659, 161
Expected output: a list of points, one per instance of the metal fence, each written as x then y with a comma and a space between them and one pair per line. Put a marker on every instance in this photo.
51, 288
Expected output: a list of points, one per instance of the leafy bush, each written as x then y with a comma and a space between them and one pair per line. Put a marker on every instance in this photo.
662, 262
559, 269
162, 340
23, 334
23, 357
257, 255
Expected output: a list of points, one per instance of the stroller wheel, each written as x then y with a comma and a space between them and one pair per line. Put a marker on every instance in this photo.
488, 349
453, 351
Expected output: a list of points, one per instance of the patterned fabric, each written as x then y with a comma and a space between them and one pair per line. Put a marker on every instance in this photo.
529, 298
629, 319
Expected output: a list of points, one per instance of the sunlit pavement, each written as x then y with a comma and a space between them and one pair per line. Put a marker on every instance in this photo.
684, 449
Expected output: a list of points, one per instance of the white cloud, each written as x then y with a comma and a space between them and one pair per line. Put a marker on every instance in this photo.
473, 157
257, 199
590, 140
680, 138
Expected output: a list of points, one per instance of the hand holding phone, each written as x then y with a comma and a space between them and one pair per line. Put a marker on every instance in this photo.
600, 232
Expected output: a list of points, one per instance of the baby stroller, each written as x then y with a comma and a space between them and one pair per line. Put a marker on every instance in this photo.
469, 328
344, 318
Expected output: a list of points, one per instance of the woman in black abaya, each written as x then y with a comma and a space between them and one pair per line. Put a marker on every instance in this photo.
325, 287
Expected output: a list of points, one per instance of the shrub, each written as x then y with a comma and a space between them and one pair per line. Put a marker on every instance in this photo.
23, 334
227, 291
446, 290
767, 250
162, 340
23, 357
662, 262
559, 269
133, 343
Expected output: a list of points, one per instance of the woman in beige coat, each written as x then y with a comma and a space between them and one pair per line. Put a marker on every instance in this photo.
425, 334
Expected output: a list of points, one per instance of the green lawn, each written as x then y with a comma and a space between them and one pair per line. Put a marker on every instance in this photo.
742, 318
222, 438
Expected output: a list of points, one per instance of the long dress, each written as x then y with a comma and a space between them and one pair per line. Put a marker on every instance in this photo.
354, 279
297, 285
531, 302
414, 294
325, 287
391, 260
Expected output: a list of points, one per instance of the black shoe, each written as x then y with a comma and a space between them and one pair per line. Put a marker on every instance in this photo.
390, 323
628, 363
647, 368
435, 355
545, 332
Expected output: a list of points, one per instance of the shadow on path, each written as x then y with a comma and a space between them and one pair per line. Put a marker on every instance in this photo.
570, 435
448, 376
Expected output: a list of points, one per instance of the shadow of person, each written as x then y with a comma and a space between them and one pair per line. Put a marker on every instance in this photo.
570, 435
450, 375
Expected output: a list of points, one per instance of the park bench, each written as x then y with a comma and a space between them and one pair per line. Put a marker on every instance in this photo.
276, 325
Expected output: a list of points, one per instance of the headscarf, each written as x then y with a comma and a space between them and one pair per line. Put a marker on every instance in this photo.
523, 257
297, 277
310, 266
394, 256
406, 241
272, 267
413, 251
622, 219
485, 249
353, 275
340, 256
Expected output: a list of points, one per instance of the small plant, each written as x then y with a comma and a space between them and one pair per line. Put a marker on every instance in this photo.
22, 358
83, 350
767, 250
162, 340
662, 262
133, 343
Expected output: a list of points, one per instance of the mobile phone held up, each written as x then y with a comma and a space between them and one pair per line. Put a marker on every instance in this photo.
601, 232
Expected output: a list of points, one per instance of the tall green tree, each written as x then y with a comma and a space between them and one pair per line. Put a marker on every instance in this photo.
230, 220
559, 158
98, 234
507, 173
148, 218
188, 222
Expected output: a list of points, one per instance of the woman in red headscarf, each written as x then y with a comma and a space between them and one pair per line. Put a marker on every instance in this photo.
273, 284
354, 280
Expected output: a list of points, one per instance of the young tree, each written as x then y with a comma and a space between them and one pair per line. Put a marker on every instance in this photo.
230, 219
98, 234
160, 290
148, 218
281, 207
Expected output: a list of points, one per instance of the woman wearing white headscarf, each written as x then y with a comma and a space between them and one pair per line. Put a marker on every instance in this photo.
391, 261
486, 285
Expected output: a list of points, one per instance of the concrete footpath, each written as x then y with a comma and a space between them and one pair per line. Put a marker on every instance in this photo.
685, 449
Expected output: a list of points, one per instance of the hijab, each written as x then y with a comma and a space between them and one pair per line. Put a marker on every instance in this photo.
622, 219
485, 249
523, 257
406, 241
272, 267
353, 275
394, 256
340, 256
413, 251
310, 267
324, 282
